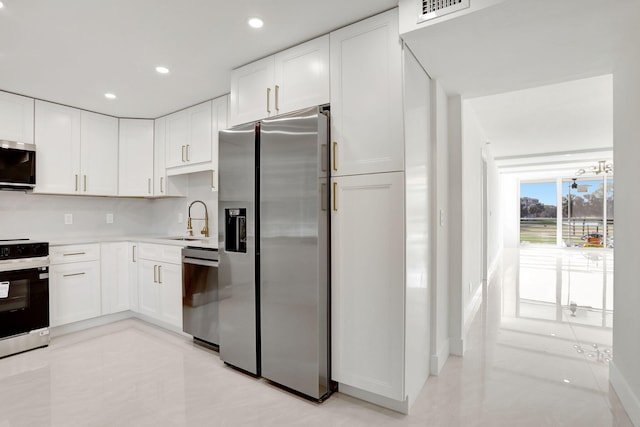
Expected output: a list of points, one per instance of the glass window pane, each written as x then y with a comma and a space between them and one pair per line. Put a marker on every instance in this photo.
538, 213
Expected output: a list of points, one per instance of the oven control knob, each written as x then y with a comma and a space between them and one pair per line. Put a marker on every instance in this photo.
37, 249
21, 249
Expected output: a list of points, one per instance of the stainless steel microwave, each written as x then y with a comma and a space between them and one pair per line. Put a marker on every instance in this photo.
17, 165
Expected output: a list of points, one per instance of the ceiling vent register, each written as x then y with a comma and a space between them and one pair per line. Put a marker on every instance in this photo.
431, 9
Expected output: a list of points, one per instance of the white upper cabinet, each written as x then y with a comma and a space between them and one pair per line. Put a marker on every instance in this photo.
136, 158
302, 76
252, 92
98, 154
57, 138
219, 120
188, 136
366, 97
159, 159
77, 151
16, 118
290, 80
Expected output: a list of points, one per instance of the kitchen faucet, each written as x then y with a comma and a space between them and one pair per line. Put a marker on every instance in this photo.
205, 229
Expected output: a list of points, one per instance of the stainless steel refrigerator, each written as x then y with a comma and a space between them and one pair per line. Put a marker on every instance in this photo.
273, 274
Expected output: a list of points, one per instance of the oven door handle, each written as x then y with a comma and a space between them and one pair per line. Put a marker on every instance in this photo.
202, 262
24, 264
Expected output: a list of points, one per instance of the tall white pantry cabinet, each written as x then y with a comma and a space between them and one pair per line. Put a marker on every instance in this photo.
380, 233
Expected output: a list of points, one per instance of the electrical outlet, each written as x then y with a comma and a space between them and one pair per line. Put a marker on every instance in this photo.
180, 218
68, 219
109, 218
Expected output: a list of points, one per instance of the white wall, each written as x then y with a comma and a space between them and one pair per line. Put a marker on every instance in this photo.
41, 217
165, 211
440, 291
625, 369
511, 210
456, 314
467, 146
37, 216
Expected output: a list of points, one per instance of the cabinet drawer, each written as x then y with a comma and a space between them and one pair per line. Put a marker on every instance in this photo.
161, 253
74, 253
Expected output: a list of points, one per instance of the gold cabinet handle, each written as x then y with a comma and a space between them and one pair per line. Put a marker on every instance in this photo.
323, 198
133, 253
85, 183
335, 156
155, 274
73, 253
74, 274
277, 98
76, 182
268, 100
160, 274
183, 153
161, 189
188, 153
213, 180
149, 185
335, 200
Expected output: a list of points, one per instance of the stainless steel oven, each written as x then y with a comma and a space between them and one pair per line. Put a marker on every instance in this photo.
24, 296
200, 294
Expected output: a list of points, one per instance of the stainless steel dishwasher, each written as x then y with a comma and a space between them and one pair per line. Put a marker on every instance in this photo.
200, 294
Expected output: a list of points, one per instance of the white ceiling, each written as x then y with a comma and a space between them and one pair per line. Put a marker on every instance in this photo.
74, 51
571, 116
518, 44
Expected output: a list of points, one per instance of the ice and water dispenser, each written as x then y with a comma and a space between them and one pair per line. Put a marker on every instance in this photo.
235, 230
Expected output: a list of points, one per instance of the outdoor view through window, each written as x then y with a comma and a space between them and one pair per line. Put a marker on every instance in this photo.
587, 221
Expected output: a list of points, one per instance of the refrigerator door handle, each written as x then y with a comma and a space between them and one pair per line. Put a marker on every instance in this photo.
335, 156
335, 200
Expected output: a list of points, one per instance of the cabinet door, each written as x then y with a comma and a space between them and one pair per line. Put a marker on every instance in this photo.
98, 154
114, 263
177, 137
132, 263
219, 116
16, 118
198, 148
170, 279
252, 96
159, 168
57, 138
135, 157
74, 292
149, 289
302, 76
366, 97
367, 282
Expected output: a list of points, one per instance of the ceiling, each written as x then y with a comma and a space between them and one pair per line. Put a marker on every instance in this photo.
74, 51
536, 73
565, 117
518, 44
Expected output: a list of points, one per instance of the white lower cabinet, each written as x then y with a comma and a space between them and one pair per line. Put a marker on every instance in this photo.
74, 290
160, 284
367, 283
114, 261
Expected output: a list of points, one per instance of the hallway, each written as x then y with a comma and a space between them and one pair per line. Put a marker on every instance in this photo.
528, 361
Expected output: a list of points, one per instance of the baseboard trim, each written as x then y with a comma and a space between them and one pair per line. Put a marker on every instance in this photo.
385, 402
440, 357
58, 331
456, 346
630, 401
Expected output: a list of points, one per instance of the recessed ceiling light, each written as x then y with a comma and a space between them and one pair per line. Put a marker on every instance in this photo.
256, 22
566, 381
162, 70
109, 96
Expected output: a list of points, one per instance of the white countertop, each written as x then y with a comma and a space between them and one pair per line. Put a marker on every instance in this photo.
205, 242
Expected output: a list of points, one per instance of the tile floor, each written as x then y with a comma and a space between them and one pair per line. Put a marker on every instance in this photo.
529, 362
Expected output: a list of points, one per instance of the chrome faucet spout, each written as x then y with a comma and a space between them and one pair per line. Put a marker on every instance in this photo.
205, 229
